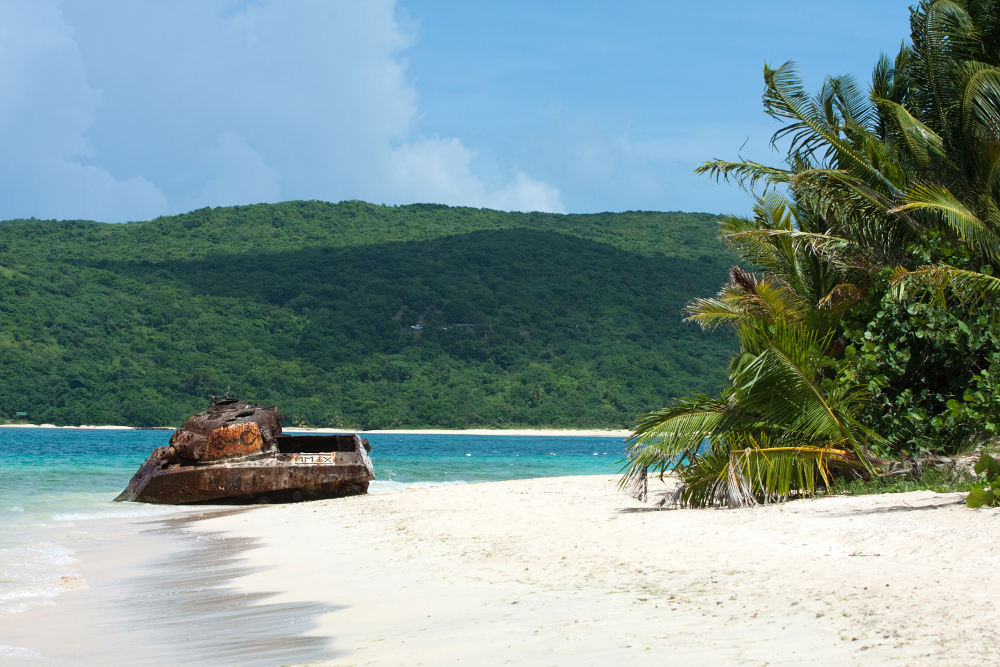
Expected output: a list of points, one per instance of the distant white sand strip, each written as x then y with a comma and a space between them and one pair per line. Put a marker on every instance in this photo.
84, 426
577, 433
586, 433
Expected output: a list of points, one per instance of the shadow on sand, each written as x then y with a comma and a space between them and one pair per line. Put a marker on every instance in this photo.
192, 613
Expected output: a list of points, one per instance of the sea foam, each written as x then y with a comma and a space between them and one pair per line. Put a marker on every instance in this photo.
33, 574
18, 652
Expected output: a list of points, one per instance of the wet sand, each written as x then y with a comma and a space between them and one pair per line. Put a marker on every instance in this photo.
155, 593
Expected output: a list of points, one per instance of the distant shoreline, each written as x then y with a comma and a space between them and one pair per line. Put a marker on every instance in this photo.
87, 427
517, 432
575, 433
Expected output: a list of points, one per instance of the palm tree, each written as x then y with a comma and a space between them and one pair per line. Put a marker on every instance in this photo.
891, 190
956, 92
774, 432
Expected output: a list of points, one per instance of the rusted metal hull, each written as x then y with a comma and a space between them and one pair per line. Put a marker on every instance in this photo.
277, 478
235, 452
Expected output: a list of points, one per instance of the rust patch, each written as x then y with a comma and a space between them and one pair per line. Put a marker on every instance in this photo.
233, 441
188, 444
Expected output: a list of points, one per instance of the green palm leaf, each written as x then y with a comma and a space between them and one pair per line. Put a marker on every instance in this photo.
757, 473
940, 201
980, 103
746, 174
922, 144
970, 287
775, 404
942, 34
785, 98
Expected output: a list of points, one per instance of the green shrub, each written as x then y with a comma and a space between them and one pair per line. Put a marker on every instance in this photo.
987, 492
932, 375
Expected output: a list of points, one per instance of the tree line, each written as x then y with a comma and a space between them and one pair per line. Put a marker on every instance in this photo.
357, 315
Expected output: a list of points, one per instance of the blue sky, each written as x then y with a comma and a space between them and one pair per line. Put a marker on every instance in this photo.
129, 109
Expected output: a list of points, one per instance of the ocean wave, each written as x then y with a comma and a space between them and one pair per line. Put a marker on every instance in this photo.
42, 553
115, 512
34, 574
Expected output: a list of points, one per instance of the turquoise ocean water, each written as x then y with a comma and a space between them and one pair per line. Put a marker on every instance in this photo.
56, 485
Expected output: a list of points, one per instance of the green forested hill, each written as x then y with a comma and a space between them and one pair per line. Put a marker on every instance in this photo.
526, 318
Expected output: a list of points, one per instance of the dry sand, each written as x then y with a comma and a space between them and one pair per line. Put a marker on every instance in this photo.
565, 571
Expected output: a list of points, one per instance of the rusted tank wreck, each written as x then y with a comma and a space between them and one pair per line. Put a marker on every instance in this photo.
235, 452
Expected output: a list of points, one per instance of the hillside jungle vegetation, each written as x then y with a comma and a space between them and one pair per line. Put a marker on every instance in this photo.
870, 330
358, 316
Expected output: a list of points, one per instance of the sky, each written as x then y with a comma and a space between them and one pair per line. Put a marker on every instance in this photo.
118, 110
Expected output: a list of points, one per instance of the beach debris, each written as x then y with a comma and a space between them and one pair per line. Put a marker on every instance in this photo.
235, 452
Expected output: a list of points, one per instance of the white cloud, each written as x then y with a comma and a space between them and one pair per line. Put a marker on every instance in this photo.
630, 170
241, 174
44, 114
527, 194
443, 166
128, 109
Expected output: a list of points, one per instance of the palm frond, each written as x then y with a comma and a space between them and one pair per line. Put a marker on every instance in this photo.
817, 242
942, 34
980, 104
842, 296
852, 102
661, 437
776, 258
922, 144
785, 98
775, 403
757, 473
747, 174
748, 299
781, 386
969, 287
711, 313
956, 215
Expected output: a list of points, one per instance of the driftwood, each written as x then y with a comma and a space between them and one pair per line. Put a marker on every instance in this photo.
959, 465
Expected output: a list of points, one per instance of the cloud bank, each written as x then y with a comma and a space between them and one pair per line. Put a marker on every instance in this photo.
129, 109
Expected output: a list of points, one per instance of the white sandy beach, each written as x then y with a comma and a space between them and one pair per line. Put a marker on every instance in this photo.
551, 571
563, 571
